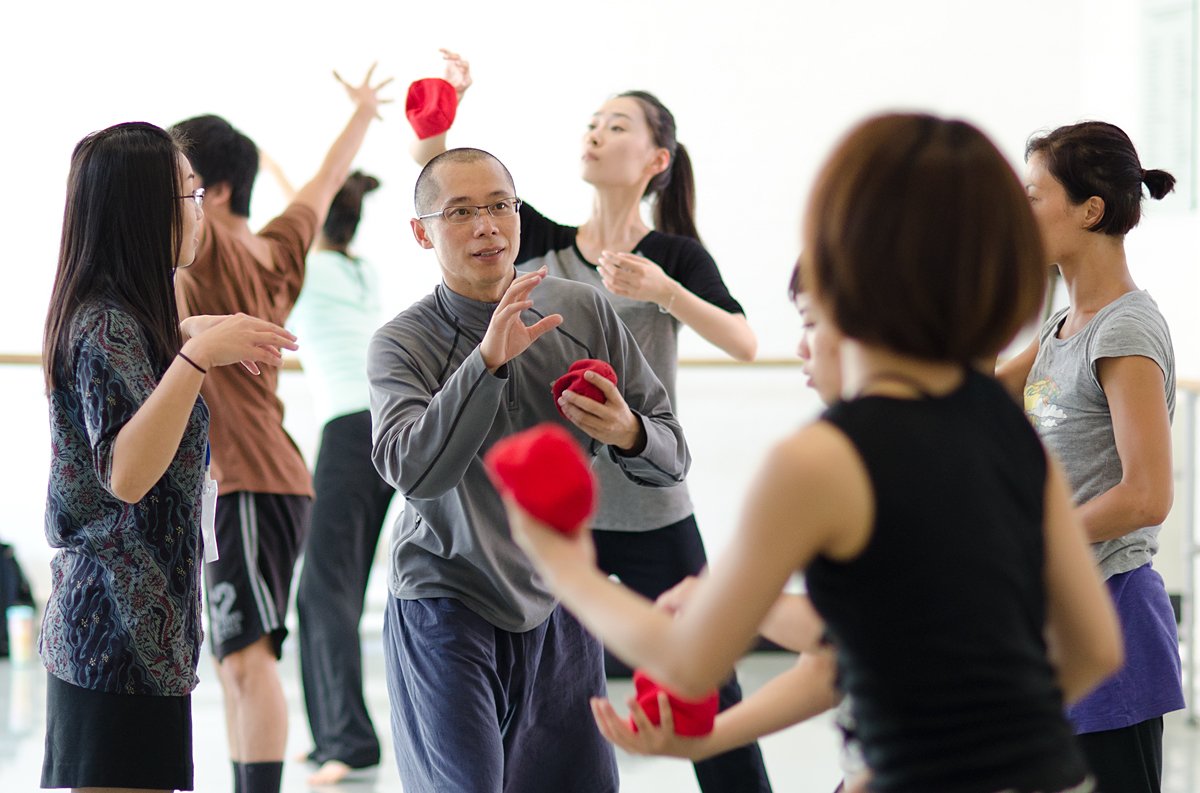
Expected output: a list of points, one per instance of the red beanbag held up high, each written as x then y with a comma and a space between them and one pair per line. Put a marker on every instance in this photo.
692, 719
545, 471
574, 380
430, 106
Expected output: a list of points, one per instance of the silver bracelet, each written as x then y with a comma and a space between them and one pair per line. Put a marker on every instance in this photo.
667, 308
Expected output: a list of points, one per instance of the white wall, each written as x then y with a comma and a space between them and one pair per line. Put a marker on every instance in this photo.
760, 89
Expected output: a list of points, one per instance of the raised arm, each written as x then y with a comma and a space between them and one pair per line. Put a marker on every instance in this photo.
1142, 431
317, 194
1082, 633
267, 163
458, 74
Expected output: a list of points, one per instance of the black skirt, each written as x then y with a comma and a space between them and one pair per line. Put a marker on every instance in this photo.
97, 739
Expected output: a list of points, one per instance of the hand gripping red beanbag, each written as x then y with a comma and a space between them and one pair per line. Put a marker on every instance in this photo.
574, 380
544, 471
692, 718
430, 106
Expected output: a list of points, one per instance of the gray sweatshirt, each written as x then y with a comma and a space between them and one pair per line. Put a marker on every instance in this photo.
436, 410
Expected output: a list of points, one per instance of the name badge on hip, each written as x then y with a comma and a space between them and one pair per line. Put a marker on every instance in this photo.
208, 519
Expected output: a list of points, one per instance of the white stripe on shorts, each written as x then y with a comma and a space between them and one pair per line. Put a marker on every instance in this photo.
248, 513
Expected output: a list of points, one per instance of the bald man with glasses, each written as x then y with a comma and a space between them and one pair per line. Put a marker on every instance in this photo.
489, 678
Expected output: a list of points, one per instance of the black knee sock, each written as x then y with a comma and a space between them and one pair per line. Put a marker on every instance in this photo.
262, 777
237, 776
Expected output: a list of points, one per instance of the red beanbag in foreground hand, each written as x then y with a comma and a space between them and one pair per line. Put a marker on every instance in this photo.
692, 719
545, 472
574, 380
430, 106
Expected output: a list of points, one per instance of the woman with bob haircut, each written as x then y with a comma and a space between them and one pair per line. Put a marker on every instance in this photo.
659, 279
121, 633
935, 534
1099, 385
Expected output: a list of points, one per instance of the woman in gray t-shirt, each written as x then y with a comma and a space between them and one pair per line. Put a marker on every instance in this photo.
658, 280
1099, 384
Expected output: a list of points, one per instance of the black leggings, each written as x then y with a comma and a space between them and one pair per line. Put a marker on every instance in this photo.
650, 563
1128, 760
347, 517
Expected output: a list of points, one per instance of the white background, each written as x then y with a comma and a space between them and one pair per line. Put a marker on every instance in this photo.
760, 90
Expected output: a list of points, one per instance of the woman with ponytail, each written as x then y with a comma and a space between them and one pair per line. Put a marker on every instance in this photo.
338, 309
1099, 384
658, 280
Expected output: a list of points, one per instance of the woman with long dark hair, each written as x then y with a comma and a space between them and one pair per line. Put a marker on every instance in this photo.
1099, 384
658, 279
121, 632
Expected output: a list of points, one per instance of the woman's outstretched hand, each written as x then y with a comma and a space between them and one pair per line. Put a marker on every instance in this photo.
235, 338
458, 71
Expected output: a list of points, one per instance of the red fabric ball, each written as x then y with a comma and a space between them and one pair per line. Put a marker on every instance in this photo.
574, 380
430, 106
544, 471
692, 718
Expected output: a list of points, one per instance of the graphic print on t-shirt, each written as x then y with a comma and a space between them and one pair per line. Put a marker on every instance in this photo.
1039, 403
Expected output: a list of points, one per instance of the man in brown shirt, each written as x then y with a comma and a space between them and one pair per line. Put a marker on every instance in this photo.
265, 488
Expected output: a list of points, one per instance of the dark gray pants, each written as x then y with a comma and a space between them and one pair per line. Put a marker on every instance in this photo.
477, 709
347, 516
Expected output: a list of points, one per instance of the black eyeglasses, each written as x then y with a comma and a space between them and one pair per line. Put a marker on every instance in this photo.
196, 195
465, 213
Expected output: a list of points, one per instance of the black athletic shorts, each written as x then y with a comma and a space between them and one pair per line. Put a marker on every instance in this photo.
259, 536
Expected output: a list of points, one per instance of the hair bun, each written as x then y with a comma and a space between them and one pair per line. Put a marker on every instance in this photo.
1159, 183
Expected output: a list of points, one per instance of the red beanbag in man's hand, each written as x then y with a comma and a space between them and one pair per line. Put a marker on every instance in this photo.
692, 719
430, 106
544, 471
574, 380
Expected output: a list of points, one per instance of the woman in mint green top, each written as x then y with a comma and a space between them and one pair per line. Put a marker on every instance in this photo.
337, 311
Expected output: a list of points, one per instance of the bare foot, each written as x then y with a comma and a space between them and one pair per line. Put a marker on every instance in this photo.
330, 773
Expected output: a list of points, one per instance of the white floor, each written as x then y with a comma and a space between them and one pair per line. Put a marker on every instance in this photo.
800, 760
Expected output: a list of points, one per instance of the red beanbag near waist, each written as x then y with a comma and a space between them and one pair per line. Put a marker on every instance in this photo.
544, 471
692, 718
574, 380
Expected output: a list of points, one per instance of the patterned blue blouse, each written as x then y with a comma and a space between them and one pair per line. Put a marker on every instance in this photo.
124, 610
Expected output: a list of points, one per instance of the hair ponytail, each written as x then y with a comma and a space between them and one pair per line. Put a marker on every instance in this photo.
673, 190
1093, 158
1158, 183
345, 210
675, 203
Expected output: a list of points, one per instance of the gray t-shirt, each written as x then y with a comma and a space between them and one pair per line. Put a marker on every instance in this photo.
436, 410
1064, 400
623, 505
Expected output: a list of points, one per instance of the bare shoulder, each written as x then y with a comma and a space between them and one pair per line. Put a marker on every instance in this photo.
817, 474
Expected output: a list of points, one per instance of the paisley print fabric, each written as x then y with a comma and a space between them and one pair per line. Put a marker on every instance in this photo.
124, 610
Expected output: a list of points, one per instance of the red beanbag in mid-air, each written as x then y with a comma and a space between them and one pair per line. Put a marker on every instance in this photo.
692, 719
430, 106
544, 471
574, 380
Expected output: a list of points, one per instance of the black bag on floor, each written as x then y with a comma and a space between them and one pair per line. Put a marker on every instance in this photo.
14, 591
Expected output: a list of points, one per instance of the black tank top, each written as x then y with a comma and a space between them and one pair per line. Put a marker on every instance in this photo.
938, 622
